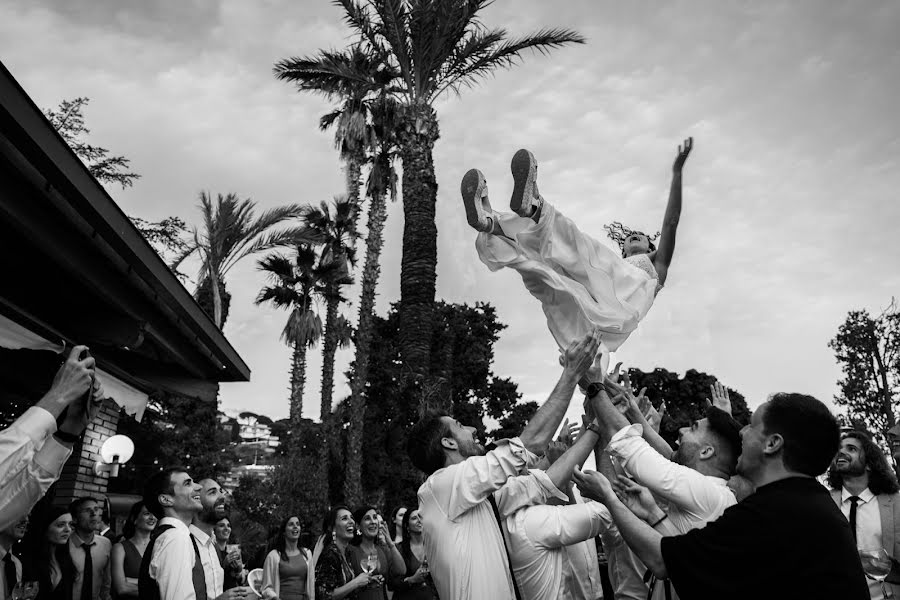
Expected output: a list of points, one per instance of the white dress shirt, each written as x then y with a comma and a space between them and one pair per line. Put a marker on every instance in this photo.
30, 461
868, 529
626, 571
538, 535
172, 562
17, 564
101, 580
209, 558
583, 574
463, 543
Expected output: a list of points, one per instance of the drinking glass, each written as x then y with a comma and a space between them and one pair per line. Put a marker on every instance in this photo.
877, 564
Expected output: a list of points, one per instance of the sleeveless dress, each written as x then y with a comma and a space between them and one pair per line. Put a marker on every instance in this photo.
292, 578
131, 565
580, 282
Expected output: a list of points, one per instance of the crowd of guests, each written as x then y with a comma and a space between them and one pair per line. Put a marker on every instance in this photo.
787, 506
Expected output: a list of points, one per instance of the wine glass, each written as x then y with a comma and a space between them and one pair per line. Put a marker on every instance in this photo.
369, 563
25, 590
877, 565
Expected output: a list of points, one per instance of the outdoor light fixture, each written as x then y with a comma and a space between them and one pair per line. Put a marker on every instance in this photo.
115, 451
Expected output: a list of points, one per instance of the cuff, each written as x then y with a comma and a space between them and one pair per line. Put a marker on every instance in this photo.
37, 424
547, 486
52, 456
624, 434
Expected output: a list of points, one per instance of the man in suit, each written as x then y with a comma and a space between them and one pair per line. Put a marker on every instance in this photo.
865, 489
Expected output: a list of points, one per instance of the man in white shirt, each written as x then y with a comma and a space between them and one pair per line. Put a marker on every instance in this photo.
10, 566
464, 544
212, 499
865, 489
32, 450
90, 552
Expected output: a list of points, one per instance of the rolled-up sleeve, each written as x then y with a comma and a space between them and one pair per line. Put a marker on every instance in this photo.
470, 482
30, 461
526, 490
557, 526
687, 488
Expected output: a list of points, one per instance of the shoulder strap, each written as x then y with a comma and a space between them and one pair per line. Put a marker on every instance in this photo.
147, 588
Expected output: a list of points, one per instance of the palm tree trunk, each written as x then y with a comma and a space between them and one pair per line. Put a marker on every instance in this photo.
298, 382
217, 298
329, 347
374, 241
418, 265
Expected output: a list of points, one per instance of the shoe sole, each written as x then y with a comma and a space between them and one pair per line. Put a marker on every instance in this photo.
471, 188
524, 172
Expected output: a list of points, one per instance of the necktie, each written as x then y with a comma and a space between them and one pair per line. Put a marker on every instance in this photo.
9, 572
854, 500
505, 548
87, 579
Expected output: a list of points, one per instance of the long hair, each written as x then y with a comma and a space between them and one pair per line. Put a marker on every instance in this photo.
618, 233
405, 546
325, 541
279, 543
358, 515
128, 530
37, 552
881, 477
392, 526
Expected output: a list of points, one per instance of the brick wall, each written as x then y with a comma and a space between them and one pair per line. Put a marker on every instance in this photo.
78, 477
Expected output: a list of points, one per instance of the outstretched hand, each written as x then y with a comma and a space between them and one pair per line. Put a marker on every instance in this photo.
579, 356
636, 497
683, 151
593, 485
720, 397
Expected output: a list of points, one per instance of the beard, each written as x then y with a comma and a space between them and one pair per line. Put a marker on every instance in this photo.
213, 514
471, 448
852, 468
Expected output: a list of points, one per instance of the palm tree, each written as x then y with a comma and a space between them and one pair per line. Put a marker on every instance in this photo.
297, 285
231, 231
426, 48
335, 231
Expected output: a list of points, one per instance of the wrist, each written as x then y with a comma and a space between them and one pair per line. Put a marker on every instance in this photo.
66, 438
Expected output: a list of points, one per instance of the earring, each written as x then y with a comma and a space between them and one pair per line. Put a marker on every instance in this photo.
333, 537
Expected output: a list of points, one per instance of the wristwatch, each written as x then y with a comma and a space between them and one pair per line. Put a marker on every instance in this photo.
593, 427
593, 389
64, 436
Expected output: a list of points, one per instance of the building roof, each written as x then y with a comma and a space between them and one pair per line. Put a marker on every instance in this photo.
76, 268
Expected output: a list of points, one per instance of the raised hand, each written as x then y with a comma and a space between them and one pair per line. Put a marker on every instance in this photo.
683, 151
636, 497
579, 356
720, 397
593, 485
555, 449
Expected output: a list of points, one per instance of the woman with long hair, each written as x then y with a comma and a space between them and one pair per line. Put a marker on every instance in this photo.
581, 283
45, 552
416, 583
127, 554
395, 525
331, 576
287, 565
373, 540
232, 562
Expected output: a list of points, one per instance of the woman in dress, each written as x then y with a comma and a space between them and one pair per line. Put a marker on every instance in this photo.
231, 562
126, 555
45, 553
416, 583
373, 539
332, 577
287, 565
395, 525
581, 283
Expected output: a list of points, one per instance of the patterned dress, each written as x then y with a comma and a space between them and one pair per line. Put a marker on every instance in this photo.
333, 571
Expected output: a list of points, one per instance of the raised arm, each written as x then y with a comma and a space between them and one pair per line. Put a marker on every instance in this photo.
663, 256
577, 359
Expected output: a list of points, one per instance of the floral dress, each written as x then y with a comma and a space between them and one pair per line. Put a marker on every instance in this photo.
333, 571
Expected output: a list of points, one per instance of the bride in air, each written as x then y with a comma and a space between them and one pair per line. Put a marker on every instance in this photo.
581, 283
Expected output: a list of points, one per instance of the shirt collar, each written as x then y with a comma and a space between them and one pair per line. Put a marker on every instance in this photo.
174, 522
76, 540
864, 496
200, 535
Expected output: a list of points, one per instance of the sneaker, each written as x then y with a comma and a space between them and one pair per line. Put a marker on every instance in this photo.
526, 200
475, 199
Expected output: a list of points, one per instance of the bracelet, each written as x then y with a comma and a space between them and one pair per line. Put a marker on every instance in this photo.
664, 517
64, 436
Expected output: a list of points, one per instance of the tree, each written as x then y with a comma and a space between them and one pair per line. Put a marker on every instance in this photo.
685, 398
298, 284
331, 226
462, 351
868, 351
231, 231
425, 49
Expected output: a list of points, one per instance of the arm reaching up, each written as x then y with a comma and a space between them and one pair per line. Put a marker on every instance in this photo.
578, 358
662, 258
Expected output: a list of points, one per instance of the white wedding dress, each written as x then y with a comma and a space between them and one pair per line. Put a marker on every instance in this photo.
580, 282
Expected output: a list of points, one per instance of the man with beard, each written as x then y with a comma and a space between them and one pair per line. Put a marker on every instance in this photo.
11, 571
90, 552
464, 542
865, 489
692, 481
212, 500
785, 541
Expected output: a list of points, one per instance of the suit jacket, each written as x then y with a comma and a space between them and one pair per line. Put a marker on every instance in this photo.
889, 507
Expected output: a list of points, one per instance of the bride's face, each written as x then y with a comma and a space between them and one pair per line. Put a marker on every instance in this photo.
636, 243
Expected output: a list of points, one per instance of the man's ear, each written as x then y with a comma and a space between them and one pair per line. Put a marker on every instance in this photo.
707, 452
774, 443
165, 500
449, 443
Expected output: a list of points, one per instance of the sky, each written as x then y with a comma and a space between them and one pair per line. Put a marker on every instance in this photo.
790, 210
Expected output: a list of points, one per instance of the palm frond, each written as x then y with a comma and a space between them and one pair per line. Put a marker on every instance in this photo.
279, 295
267, 241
